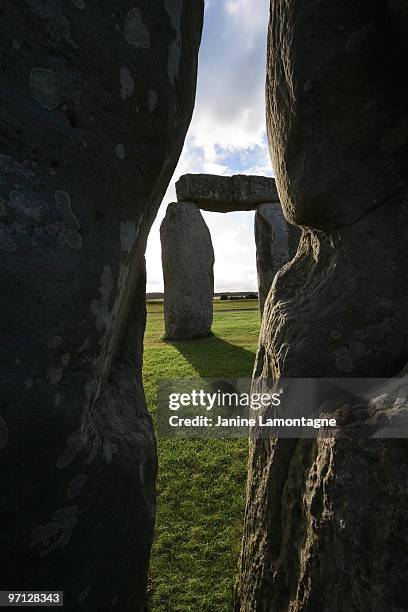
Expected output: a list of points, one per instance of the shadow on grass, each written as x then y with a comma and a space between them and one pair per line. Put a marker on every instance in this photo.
213, 357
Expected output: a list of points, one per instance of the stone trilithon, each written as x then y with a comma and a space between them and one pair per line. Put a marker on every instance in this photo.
187, 252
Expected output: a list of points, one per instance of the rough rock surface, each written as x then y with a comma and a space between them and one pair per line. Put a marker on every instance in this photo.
188, 261
95, 101
331, 173
276, 243
324, 530
226, 193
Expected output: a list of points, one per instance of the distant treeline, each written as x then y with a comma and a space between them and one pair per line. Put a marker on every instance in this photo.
227, 295
246, 296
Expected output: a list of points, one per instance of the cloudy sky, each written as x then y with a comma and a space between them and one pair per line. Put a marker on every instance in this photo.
227, 134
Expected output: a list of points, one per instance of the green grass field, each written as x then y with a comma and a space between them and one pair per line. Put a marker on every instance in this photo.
201, 483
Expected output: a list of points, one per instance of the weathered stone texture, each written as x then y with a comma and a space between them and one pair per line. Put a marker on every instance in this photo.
188, 261
226, 193
95, 101
276, 243
331, 172
323, 526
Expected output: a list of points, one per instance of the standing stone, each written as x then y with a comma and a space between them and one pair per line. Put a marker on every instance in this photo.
95, 101
326, 521
276, 243
188, 262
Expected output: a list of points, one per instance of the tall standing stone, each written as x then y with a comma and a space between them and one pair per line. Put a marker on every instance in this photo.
188, 262
326, 521
95, 101
276, 243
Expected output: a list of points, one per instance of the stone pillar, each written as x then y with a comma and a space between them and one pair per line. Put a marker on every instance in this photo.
276, 243
95, 101
326, 520
188, 261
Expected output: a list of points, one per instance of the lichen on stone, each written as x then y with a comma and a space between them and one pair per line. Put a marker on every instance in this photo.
135, 31
79, 4
56, 534
127, 235
120, 151
45, 87
152, 98
127, 84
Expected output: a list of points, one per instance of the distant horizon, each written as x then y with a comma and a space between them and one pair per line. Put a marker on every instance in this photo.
221, 292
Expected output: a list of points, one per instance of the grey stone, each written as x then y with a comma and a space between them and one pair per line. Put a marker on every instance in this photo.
226, 193
188, 261
326, 176
75, 215
320, 512
276, 243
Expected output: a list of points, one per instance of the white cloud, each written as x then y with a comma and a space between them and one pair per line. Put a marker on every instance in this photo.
251, 15
227, 133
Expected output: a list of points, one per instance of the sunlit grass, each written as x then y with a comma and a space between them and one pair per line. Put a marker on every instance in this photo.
201, 483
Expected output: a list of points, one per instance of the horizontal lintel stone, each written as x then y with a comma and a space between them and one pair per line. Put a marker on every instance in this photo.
226, 193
